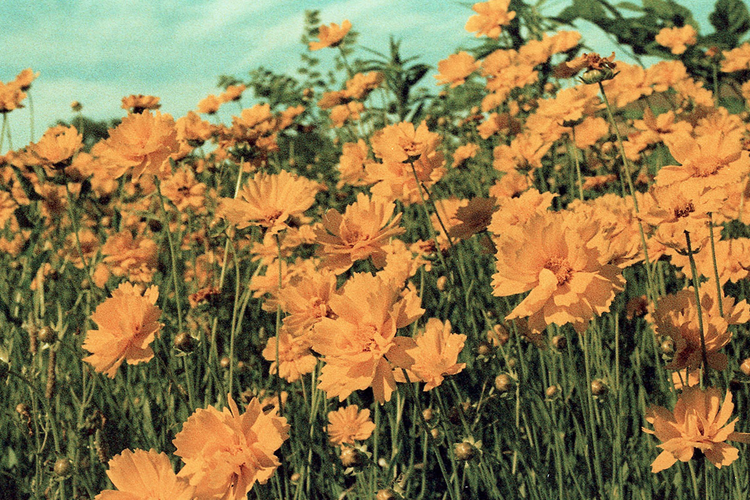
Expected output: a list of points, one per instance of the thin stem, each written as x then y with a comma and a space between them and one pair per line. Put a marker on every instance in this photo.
591, 420
698, 307
719, 292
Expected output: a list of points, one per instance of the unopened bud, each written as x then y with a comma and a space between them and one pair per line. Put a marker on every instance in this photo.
350, 457
63, 468
428, 414
599, 387
503, 382
464, 451
552, 391
224, 362
745, 367
47, 334
185, 342
484, 349
385, 495
559, 342
295, 477
667, 347
442, 283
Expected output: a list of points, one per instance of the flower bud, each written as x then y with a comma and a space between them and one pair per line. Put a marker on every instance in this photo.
385, 494
745, 367
350, 457
598, 75
464, 451
442, 283
47, 334
599, 387
435, 433
484, 349
295, 477
552, 391
63, 468
559, 342
503, 382
667, 348
224, 362
185, 342
428, 414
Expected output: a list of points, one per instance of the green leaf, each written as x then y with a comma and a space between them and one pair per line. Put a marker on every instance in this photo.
731, 20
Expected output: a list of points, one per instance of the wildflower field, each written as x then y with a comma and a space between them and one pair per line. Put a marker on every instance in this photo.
524, 278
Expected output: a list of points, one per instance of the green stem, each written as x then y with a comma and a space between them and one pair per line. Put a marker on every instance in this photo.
719, 291
591, 420
698, 307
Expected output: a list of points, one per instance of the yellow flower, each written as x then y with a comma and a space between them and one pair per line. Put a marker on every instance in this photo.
677, 39
489, 17
350, 424
696, 422
331, 36
456, 69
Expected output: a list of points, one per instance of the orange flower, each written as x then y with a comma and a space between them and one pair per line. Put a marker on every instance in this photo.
346, 112
269, 200
676, 316
350, 424
489, 17
360, 85
209, 105
474, 217
305, 300
232, 93
552, 259
185, 191
57, 147
402, 142
127, 324
331, 36
696, 422
351, 164
433, 353
358, 342
10, 97
683, 204
142, 142
226, 452
141, 475
135, 258
140, 103
456, 69
24, 78
395, 180
677, 39
464, 152
709, 161
192, 129
736, 59
360, 233
295, 358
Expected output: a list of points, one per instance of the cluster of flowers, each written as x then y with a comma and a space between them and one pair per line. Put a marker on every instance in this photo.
570, 261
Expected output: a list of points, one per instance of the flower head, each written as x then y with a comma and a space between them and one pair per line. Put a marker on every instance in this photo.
269, 200
140, 103
489, 18
434, 353
128, 323
456, 69
350, 424
331, 36
226, 452
697, 421
677, 39
145, 475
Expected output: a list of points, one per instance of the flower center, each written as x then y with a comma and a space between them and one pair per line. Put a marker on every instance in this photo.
561, 268
707, 166
684, 210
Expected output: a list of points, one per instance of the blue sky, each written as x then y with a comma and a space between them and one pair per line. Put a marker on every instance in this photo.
98, 51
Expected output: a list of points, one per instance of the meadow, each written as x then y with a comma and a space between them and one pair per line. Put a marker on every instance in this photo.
524, 278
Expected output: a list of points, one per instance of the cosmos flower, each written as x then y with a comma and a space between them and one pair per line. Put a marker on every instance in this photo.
489, 18
677, 39
456, 68
128, 323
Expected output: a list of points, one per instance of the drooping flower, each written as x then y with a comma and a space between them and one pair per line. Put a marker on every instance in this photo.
128, 323
489, 18
145, 475
349, 424
697, 421
269, 200
226, 452
331, 36
361, 232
